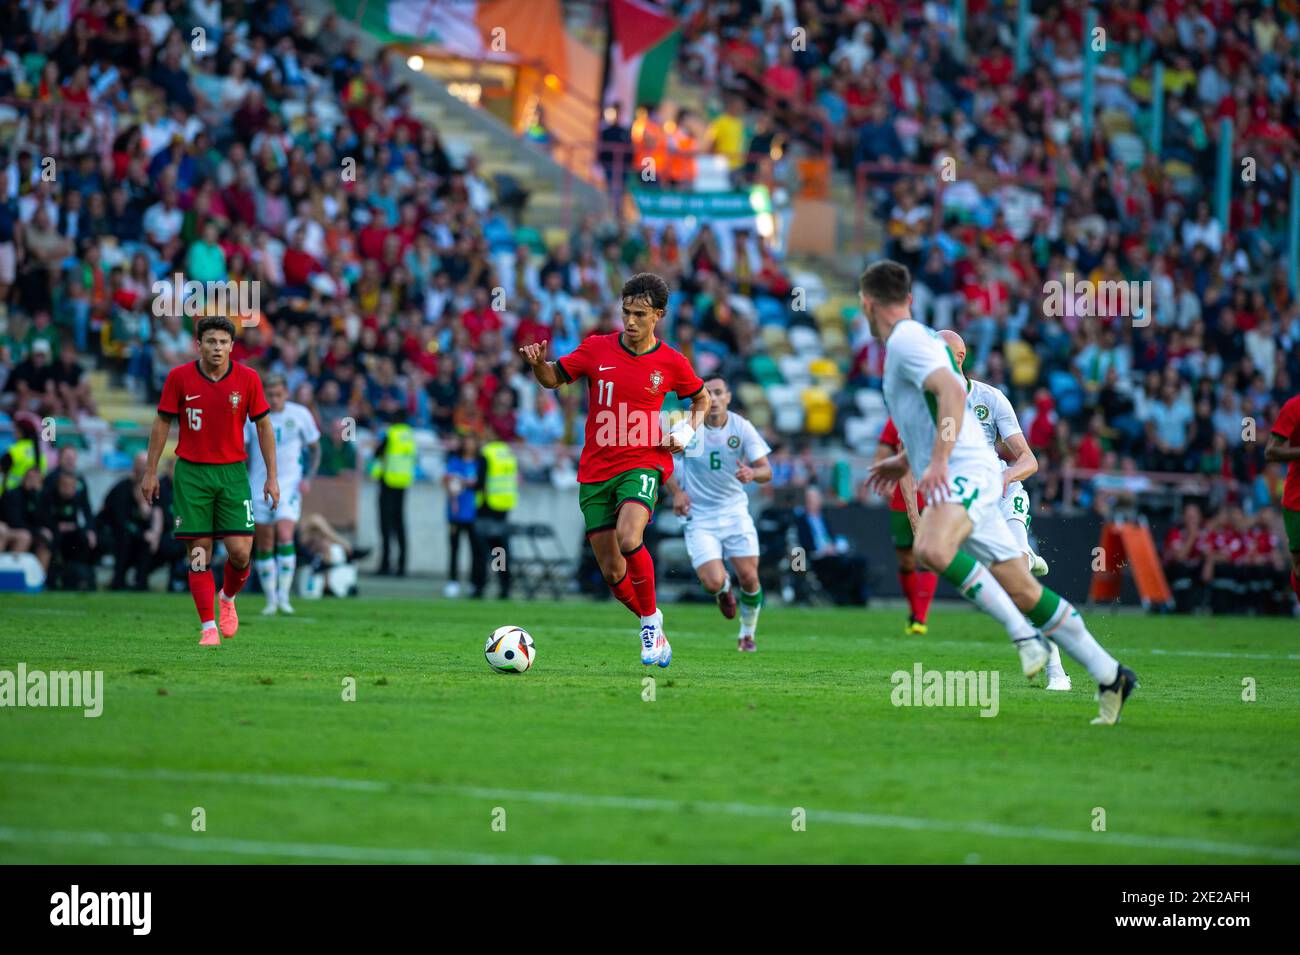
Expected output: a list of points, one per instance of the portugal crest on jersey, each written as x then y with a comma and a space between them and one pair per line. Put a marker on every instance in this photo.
234, 401
656, 379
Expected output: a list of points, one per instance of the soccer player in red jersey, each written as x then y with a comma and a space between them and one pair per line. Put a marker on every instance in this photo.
213, 397
626, 457
1284, 445
918, 585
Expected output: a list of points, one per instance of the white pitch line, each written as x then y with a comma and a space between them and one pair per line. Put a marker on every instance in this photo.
656, 804
205, 844
1217, 654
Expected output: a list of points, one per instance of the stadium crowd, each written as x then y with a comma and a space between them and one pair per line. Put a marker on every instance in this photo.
393, 286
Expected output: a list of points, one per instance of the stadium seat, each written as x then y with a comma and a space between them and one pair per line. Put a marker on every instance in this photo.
1022, 362
775, 340
787, 408
869, 401
819, 410
805, 341
764, 370
859, 435
794, 369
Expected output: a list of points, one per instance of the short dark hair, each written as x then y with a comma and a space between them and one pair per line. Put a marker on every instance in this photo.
886, 281
647, 285
214, 323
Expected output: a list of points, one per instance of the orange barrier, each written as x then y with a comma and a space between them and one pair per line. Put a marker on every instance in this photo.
1129, 545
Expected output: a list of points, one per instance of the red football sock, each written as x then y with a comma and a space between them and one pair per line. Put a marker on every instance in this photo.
204, 591
641, 574
623, 591
923, 586
232, 581
907, 580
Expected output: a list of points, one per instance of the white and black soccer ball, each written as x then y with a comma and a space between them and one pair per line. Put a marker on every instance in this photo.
510, 650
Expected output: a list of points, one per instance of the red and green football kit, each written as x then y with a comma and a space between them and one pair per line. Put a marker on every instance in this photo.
212, 497
900, 526
621, 455
1287, 427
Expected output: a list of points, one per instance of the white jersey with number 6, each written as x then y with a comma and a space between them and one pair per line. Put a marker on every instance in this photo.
708, 470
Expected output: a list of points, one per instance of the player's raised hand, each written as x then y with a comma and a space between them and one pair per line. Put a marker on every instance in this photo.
149, 487
744, 473
681, 503
271, 491
535, 352
933, 485
884, 474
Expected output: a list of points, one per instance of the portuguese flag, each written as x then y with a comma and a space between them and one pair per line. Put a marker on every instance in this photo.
643, 40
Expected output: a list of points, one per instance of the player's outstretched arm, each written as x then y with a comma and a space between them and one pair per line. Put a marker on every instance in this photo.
544, 371
162, 426
907, 486
677, 439
266, 441
1020, 457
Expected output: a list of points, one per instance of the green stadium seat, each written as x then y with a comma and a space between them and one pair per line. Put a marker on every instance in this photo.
765, 371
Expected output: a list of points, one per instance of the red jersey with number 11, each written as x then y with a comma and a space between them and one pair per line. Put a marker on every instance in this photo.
625, 394
212, 411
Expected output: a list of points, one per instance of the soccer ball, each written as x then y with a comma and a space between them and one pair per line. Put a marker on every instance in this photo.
510, 650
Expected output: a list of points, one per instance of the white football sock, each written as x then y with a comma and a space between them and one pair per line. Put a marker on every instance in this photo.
983, 590
266, 577
287, 563
1067, 628
1054, 667
749, 611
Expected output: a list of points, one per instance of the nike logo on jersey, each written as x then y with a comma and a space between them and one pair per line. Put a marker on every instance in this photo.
635, 581
605, 367
192, 397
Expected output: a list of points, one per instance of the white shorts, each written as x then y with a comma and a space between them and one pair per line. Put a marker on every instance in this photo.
714, 541
1015, 506
979, 490
290, 508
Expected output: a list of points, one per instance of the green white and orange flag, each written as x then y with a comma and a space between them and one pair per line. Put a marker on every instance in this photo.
643, 40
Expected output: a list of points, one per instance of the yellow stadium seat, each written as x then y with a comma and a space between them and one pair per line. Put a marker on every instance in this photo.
1022, 362
818, 411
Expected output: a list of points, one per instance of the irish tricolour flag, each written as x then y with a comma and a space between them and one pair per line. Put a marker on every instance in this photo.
643, 41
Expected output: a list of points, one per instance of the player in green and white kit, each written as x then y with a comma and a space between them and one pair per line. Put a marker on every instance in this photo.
997, 419
296, 437
726, 454
962, 533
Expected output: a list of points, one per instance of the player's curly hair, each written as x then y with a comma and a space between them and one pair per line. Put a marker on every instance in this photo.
647, 285
214, 323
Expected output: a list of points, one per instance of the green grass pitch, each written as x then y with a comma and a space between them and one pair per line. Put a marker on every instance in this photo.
439, 759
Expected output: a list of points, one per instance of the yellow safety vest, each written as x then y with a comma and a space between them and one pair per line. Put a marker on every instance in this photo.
22, 454
501, 482
397, 469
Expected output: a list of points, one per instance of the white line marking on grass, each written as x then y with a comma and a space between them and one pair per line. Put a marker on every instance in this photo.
1217, 654
254, 847
677, 806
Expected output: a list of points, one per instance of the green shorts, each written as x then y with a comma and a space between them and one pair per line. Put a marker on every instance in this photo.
601, 500
1291, 520
211, 500
900, 529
